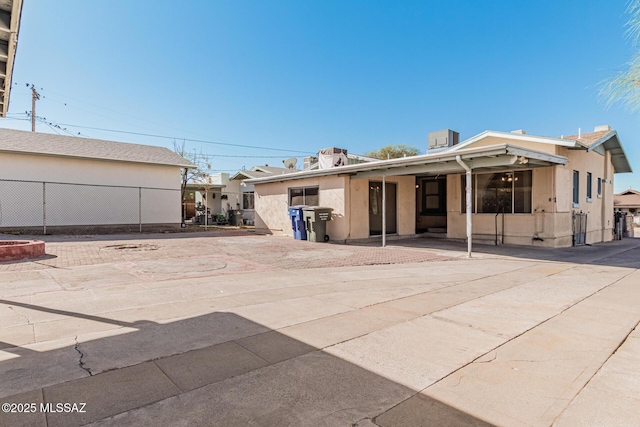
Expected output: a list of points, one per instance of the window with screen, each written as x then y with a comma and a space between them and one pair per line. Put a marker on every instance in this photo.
247, 200
304, 196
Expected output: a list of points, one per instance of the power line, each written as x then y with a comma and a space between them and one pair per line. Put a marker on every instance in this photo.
143, 127
58, 125
177, 138
239, 156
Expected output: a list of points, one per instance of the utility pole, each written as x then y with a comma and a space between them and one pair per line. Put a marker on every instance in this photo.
34, 97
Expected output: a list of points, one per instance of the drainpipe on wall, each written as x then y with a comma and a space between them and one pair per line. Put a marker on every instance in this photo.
384, 213
603, 198
468, 204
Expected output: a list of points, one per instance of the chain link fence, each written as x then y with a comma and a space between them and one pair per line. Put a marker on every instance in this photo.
31, 205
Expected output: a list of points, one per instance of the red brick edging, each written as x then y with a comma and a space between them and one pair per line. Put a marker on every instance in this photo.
13, 250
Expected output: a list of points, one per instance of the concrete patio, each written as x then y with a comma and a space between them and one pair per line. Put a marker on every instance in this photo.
219, 329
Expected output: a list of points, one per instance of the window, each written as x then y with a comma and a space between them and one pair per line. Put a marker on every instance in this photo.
247, 200
522, 192
434, 196
304, 196
494, 192
508, 192
576, 189
589, 185
599, 187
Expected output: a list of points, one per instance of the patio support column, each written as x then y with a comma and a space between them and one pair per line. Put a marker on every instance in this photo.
384, 212
603, 198
468, 204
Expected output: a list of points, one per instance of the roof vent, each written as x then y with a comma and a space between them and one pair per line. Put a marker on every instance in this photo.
309, 162
442, 139
332, 158
519, 131
602, 128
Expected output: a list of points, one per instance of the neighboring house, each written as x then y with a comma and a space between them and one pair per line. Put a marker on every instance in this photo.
230, 192
202, 193
524, 189
241, 194
628, 201
72, 184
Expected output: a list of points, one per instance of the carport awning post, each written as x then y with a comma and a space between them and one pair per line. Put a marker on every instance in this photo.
468, 204
384, 212
469, 213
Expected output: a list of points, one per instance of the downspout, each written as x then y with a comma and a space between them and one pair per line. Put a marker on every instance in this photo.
384, 213
468, 204
603, 203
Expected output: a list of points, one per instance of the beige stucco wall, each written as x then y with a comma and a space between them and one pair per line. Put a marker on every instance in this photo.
22, 203
348, 197
600, 209
405, 210
272, 204
552, 207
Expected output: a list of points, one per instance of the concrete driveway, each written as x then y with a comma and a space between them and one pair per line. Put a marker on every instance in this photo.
219, 329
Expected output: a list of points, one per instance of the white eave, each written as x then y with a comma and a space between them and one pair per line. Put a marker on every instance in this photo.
513, 137
10, 11
481, 158
611, 143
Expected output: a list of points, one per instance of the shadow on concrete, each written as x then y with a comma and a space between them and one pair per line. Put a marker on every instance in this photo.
32, 260
236, 372
618, 253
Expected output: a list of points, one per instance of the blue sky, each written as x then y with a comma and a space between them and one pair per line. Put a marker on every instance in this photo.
300, 76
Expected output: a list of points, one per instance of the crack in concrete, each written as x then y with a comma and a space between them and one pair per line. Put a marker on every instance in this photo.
622, 342
26, 318
495, 356
517, 336
357, 423
80, 361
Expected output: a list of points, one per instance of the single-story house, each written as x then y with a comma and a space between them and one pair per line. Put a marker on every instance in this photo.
628, 201
201, 195
498, 187
241, 192
63, 183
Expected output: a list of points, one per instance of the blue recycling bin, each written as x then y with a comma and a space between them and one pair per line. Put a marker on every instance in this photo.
297, 222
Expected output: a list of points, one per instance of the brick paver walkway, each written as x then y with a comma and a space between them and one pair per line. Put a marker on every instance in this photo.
236, 248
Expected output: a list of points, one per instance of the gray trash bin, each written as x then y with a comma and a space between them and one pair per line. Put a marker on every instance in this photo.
315, 219
235, 217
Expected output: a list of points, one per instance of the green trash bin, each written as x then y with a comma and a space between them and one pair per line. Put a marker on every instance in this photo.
315, 219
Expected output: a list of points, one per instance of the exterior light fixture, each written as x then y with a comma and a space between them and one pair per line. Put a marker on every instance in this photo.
508, 178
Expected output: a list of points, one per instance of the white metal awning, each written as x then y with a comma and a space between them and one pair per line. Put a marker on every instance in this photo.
482, 158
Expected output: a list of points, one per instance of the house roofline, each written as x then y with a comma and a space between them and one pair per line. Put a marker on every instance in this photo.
513, 136
387, 166
618, 156
187, 164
